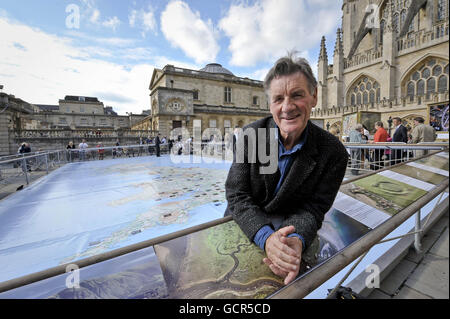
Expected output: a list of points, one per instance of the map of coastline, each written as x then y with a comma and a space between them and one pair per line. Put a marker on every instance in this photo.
171, 194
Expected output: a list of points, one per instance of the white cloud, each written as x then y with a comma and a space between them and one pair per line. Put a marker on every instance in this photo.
143, 19
185, 29
95, 16
112, 23
268, 29
42, 68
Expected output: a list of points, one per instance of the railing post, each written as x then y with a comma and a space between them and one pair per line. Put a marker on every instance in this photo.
417, 235
25, 169
46, 162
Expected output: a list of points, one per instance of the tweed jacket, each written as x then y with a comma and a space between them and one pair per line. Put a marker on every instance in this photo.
306, 194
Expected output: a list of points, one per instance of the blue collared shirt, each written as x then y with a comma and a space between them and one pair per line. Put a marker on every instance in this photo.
285, 160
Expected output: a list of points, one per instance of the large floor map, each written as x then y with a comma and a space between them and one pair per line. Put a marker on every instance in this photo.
218, 262
88, 208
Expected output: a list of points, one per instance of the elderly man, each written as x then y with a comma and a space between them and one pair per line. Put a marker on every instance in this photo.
422, 133
282, 212
355, 136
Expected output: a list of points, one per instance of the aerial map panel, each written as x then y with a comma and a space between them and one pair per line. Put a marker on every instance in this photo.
87, 208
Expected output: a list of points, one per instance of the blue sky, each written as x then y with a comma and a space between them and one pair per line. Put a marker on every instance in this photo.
109, 48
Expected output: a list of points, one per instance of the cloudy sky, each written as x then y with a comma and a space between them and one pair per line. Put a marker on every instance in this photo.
108, 49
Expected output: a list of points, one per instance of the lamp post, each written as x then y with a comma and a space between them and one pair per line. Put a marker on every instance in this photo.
389, 124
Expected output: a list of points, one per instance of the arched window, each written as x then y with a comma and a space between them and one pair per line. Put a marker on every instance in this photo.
381, 31
364, 91
426, 78
442, 84
421, 87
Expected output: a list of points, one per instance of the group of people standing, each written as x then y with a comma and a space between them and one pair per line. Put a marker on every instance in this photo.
420, 133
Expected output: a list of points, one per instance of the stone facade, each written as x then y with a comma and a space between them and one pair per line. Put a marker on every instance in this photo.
392, 60
50, 127
211, 98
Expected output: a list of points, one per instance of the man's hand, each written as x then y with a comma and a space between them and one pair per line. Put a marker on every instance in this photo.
284, 254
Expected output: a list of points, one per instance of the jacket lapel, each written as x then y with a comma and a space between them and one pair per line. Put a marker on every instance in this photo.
271, 180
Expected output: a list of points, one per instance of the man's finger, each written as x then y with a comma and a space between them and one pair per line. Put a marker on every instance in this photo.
286, 230
290, 277
277, 271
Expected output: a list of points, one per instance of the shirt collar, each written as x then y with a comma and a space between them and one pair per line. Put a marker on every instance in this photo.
282, 150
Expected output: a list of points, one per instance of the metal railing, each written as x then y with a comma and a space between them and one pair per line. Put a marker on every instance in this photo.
364, 158
16, 169
303, 285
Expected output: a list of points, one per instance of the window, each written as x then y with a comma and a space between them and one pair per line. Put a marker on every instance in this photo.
421, 87
103, 122
81, 109
212, 123
255, 100
226, 123
431, 85
381, 31
84, 122
441, 9
227, 94
410, 90
62, 120
195, 95
395, 23
442, 84
364, 91
427, 78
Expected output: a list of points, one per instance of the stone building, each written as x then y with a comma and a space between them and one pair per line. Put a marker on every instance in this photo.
208, 98
390, 59
50, 127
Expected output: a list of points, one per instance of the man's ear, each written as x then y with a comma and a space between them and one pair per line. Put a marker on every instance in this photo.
315, 97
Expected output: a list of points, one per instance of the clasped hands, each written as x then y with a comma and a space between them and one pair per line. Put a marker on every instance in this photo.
284, 254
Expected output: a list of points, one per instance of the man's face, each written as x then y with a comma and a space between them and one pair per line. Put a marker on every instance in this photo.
291, 103
396, 122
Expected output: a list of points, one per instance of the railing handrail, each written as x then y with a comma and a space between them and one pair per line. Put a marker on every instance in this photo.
29, 157
302, 286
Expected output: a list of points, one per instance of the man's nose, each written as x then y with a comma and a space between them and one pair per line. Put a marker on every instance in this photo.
288, 104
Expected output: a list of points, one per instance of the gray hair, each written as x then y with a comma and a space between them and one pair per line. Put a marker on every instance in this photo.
358, 127
288, 65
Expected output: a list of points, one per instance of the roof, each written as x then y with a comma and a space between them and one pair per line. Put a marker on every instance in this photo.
216, 68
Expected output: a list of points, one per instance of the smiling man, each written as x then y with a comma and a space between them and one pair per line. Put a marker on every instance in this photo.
282, 212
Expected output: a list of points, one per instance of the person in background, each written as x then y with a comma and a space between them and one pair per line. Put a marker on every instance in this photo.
422, 133
381, 136
355, 136
400, 135
157, 145
101, 151
69, 148
83, 146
